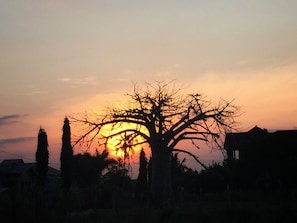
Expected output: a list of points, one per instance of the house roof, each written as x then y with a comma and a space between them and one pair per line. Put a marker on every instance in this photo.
53, 172
12, 161
14, 167
18, 167
12, 170
234, 141
257, 130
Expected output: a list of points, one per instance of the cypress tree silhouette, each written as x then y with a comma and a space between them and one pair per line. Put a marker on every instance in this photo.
141, 183
66, 156
42, 155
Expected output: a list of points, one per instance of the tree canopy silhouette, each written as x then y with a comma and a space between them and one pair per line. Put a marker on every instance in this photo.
42, 155
87, 169
161, 117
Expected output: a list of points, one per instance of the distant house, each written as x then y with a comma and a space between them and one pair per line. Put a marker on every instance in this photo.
258, 153
17, 175
21, 177
248, 145
237, 143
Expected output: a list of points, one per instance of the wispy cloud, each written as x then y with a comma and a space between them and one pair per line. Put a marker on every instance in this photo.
15, 140
162, 74
122, 79
89, 80
9, 119
64, 79
38, 92
242, 62
33, 90
177, 65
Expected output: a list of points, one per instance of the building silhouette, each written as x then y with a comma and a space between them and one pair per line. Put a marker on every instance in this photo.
263, 159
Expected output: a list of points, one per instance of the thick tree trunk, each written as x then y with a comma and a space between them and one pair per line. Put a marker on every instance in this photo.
161, 187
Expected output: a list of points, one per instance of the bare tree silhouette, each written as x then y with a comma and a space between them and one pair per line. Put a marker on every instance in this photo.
163, 118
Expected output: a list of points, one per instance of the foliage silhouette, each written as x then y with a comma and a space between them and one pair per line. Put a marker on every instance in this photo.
66, 156
87, 169
178, 169
142, 182
163, 118
42, 155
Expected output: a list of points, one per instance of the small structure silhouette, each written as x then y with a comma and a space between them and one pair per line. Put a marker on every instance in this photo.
21, 177
263, 159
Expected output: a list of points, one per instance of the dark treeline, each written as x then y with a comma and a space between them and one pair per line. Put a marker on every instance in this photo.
99, 182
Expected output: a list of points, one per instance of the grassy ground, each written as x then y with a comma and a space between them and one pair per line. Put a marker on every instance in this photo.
201, 210
211, 212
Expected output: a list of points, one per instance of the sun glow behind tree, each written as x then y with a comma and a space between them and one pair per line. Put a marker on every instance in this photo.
116, 139
121, 142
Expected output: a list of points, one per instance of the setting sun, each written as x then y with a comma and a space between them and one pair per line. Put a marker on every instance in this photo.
122, 141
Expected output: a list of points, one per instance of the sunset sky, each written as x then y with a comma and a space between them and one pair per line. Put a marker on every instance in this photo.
61, 57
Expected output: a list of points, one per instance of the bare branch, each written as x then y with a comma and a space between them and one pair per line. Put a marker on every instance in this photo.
136, 132
191, 154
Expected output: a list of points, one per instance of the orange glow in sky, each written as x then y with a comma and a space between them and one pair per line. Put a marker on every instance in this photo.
61, 58
116, 143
